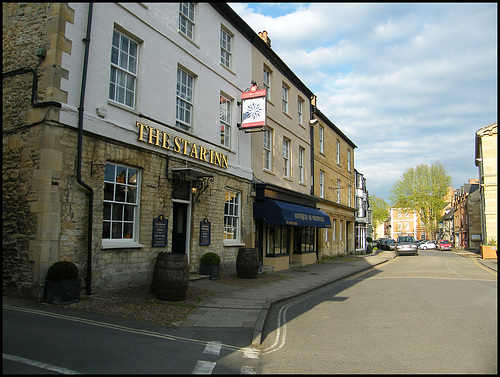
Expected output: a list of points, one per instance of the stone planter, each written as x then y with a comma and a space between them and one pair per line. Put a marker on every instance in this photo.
488, 252
62, 292
210, 269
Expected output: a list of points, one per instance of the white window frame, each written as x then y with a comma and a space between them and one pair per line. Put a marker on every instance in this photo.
302, 153
266, 79
348, 160
321, 140
114, 207
284, 98
232, 217
286, 158
321, 184
268, 149
184, 99
123, 71
338, 191
300, 110
187, 19
338, 152
225, 105
334, 230
226, 47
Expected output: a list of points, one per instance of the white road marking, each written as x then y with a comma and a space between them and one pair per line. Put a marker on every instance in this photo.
38, 364
250, 354
203, 367
248, 370
213, 348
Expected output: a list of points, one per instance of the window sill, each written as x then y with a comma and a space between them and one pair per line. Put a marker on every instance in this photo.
120, 245
233, 244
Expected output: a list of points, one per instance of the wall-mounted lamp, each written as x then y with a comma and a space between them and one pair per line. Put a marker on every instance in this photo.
479, 159
314, 122
193, 190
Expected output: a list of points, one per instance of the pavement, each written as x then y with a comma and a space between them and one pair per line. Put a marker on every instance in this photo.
248, 307
239, 307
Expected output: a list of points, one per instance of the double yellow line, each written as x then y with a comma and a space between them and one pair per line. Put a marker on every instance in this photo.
484, 268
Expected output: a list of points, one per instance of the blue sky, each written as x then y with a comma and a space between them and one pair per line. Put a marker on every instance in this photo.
407, 83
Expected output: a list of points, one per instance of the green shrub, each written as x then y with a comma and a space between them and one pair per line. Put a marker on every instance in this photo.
62, 270
210, 258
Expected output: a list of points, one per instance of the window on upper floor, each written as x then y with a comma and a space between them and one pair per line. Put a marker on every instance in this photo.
300, 110
338, 190
268, 148
338, 152
286, 158
284, 102
123, 76
187, 19
226, 41
321, 140
225, 121
302, 153
349, 194
321, 184
184, 100
349, 160
267, 82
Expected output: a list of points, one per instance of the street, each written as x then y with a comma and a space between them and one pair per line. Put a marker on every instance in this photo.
40, 341
434, 313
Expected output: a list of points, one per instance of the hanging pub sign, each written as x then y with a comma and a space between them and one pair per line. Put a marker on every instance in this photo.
253, 108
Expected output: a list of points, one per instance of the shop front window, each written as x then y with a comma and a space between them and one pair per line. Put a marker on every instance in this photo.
304, 240
277, 236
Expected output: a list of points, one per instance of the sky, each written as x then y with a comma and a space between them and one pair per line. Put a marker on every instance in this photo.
407, 83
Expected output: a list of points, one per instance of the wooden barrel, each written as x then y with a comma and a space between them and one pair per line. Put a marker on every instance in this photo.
171, 277
247, 263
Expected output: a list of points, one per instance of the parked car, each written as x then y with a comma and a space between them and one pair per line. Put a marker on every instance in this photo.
390, 244
420, 242
427, 245
406, 245
380, 243
444, 245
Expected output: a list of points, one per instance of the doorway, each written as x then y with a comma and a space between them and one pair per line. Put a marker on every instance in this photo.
180, 227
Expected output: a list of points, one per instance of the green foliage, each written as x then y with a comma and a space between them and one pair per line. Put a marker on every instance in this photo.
491, 242
423, 189
62, 270
380, 210
210, 258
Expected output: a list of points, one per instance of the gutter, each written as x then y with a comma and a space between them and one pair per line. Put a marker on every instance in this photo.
79, 161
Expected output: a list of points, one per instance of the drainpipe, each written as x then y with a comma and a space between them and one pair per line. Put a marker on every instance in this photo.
79, 162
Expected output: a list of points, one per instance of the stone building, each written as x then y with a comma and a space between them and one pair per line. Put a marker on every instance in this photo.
334, 183
466, 216
285, 213
487, 163
120, 139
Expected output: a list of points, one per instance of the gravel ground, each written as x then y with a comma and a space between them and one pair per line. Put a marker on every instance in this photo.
140, 304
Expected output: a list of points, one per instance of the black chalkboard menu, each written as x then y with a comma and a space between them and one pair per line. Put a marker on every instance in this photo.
160, 226
204, 232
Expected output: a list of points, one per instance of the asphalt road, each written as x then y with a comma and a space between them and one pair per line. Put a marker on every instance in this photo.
42, 341
432, 313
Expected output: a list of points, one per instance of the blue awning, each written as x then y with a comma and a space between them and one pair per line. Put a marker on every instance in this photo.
281, 213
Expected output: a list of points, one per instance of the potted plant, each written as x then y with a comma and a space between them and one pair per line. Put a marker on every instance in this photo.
489, 249
210, 265
62, 284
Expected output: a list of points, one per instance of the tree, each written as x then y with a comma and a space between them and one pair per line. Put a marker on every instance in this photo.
380, 210
423, 189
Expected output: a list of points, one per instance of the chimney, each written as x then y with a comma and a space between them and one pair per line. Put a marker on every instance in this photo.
265, 38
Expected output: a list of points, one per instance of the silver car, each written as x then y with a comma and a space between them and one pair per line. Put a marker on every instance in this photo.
406, 245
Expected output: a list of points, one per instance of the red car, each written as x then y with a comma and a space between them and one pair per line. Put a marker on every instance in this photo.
444, 245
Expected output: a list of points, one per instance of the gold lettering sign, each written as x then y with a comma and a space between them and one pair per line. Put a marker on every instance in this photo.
161, 139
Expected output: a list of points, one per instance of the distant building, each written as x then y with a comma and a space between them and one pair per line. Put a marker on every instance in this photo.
486, 161
466, 217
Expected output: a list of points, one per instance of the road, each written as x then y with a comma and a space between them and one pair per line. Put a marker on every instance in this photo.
41, 340
432, 313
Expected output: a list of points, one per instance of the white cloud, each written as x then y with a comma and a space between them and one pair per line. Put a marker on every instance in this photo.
407, 83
